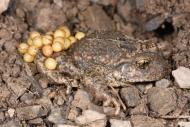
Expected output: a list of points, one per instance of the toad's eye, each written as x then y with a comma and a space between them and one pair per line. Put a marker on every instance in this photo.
142, 62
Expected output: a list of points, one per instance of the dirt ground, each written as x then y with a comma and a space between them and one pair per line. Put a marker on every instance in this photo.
28, 100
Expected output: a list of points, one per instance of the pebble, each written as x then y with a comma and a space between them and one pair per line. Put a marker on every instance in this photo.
145, 121
162, 100
95, 119
181, 75
2, 117
64, 125
18, 85
183, 124
56, 115
30, 112
43, 82
12, 123
11, 112
140, 109
81, 99
36, 121
120, 123
4, 5
164, 83
130, 95
154, 23
96, 19
73, 113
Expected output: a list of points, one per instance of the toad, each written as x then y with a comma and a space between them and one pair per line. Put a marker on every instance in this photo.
107, 59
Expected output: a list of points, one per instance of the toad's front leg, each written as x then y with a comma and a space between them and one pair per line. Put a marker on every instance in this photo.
97, 88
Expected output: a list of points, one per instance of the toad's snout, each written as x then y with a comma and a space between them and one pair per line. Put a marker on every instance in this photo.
144, 67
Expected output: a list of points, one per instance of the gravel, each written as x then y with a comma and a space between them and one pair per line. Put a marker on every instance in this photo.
181, 75
162, 100
120, 123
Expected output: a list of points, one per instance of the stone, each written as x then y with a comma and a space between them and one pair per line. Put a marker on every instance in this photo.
11, 112
95, 119
183, 124
30, 112
18, 85
56, 116
36, 121
162, 100
181, 75
73, 113
145, 121
4, 5
65, 125
96, 19
81, 99
130, 95
140, 109
12, 123
120, 123
2, 117
98, 123
163, 83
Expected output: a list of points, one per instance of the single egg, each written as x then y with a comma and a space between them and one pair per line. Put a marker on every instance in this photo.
28, 58
50, 63
79, 35
23, 48
47, 50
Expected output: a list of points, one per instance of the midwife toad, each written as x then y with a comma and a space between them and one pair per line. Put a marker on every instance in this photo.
107, 59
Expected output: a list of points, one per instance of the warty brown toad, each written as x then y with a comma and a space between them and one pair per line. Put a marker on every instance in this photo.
107, 59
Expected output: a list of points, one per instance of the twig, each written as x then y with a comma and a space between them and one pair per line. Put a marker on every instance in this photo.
115, 92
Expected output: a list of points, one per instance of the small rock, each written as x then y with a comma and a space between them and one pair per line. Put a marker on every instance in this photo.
83, 4
56, 116
145, 121
183, 124
36, 121
11, 112
96, 19
43, 82
164, 83
120, 123
92, 117
4, 5
147, 87
27, 98
29, 4
130, 95
64, 125
5, 34
98, 123
47, 18
73, 113
30, 112
182, 77
58, 2
154, 23
2, 117
12, 123
81, 99
162, 100
140, 109
18, 85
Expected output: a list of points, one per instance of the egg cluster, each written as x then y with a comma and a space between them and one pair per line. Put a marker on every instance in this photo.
57, 41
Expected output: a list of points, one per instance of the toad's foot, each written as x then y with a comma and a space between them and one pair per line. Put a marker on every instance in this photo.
96, 87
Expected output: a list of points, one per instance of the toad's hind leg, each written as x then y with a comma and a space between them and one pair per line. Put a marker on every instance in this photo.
97, 89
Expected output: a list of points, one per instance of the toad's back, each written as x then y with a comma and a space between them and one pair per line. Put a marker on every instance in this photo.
103, 49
